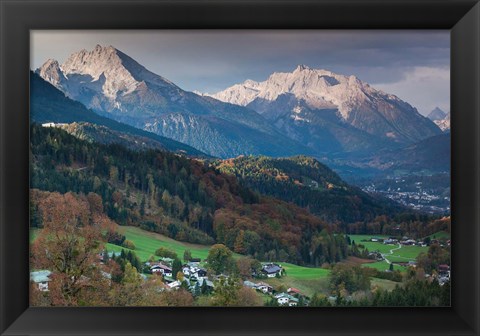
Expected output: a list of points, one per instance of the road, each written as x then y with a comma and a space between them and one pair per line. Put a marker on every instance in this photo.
391, 252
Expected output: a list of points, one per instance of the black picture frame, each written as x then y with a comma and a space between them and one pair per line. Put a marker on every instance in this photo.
18, 17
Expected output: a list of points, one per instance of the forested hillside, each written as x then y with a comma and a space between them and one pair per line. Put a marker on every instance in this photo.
180, 197
309, 184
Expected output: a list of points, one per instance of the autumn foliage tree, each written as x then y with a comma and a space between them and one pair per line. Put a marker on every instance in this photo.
68, 246
229, 292
220, 259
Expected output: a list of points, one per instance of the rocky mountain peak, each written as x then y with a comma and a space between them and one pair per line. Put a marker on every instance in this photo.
319, 88
301, 67
50, 71
437, 114
356, 103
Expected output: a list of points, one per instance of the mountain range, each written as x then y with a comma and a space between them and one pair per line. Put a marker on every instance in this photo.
114, 85
431, 154
338, 119
307, 111
331, 112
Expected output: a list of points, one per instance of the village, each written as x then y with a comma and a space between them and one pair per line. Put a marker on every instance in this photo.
413, 195
195, 278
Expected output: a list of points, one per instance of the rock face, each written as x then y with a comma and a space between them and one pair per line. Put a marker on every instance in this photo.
319, 105
50, 105
114, 85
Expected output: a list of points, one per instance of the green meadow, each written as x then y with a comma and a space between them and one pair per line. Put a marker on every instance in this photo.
403, 254
440, 235
146, 243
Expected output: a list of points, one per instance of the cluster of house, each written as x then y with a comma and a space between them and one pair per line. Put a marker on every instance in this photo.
290, 298
191, 270
194, 276
404, 241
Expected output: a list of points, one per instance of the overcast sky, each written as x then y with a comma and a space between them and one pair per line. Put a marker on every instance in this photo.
414, 65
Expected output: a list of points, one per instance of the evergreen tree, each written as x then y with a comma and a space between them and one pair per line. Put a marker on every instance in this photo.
176, 267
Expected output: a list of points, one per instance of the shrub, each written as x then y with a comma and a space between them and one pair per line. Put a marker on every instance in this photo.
129, 244
165, 253
113, 237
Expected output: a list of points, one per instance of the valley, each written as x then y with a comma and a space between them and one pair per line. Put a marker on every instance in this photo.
310, 188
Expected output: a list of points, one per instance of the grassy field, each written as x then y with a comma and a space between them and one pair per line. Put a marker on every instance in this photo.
404, 254
147, 243
371, 246
304, 273
440, 235
383, 266
306, 286
385, 284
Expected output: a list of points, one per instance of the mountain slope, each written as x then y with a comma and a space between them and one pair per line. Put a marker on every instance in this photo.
48, 104
113, 84
101, 134
432, 154
310, 184
319, 99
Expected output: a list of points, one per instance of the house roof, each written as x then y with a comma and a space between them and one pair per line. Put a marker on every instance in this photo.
174, 284
271, 268
295, 290
286, 296
40, 276
249, 284
263, 284
162, 266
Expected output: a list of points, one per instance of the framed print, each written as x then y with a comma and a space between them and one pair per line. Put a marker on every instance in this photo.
251, 168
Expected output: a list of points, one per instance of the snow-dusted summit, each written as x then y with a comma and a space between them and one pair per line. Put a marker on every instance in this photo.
317, 87
356, 103
104, 70
444, 123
